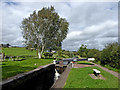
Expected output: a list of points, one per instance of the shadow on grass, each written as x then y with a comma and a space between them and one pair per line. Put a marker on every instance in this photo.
20, 59
86, 63
48, 58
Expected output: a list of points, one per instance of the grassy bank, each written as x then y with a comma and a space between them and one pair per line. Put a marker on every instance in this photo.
18, 52
11, 68
84, 62
79, 78
109, 67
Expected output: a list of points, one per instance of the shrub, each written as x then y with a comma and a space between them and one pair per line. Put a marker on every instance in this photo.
47, 54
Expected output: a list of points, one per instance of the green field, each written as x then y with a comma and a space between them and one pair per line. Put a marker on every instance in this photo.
11, 68
18, 52
79, 78
24, 52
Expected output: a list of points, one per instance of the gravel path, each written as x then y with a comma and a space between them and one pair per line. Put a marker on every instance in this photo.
62, 80
63, 77
82, 65
116, 74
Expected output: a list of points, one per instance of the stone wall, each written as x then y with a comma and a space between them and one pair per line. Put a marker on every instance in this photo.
41, 78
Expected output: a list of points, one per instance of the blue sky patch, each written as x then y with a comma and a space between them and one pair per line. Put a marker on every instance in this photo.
11, 3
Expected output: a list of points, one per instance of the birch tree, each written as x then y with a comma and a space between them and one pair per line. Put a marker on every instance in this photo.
44, 29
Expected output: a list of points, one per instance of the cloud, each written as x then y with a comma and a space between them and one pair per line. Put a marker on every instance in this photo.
91, 23
97, 24
95, 36
95, 30
73, 35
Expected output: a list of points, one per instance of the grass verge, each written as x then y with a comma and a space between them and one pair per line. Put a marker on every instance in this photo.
79, 78
109, 67
11, 68
84, 62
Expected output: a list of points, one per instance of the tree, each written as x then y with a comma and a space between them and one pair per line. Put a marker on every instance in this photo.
110, 55
83, 51
48, 54
93, 53
44, 29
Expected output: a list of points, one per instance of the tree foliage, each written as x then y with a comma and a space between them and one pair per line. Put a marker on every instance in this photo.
93, 53
110, 55
82, 51
44, 29
48, 54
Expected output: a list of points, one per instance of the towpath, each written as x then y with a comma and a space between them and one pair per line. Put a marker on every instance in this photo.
116, 74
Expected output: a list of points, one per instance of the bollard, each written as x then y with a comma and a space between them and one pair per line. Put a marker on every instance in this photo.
72, 64
54, 61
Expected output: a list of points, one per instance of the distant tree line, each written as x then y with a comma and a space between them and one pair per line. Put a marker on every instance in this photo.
108, 56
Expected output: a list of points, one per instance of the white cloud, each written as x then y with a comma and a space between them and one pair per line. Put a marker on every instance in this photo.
94, 30
73, 35
93, 24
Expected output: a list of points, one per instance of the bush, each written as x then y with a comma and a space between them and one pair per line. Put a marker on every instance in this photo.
47, 54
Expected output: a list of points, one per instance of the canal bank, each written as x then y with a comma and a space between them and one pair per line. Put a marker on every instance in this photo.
41, 78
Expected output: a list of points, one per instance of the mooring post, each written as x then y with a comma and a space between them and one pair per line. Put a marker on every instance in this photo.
72, 63
54, 61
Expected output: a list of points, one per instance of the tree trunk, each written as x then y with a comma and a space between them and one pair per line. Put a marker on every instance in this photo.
39, 54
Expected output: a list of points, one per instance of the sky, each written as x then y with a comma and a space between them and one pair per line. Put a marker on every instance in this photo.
90, 23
